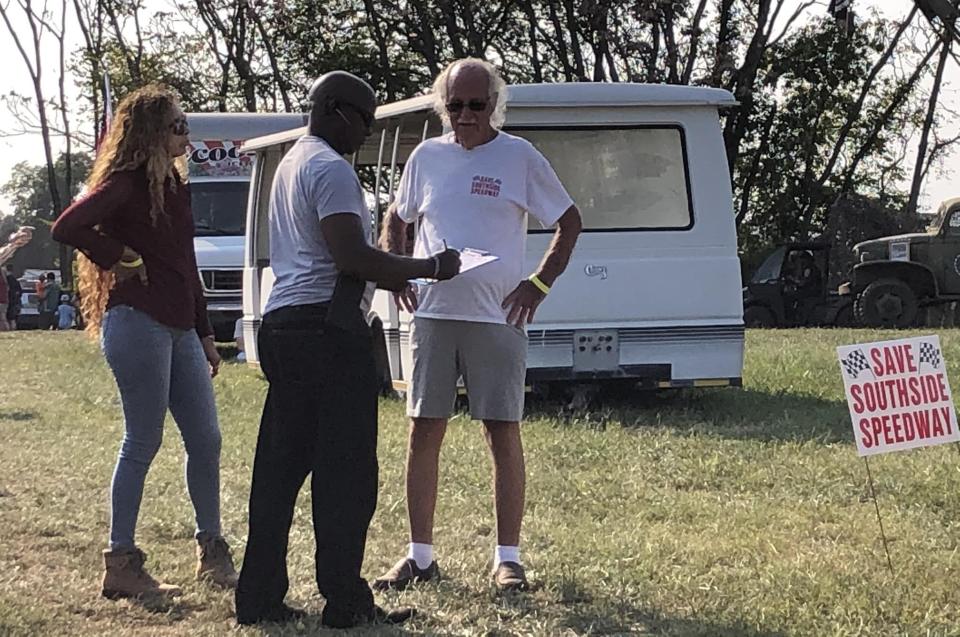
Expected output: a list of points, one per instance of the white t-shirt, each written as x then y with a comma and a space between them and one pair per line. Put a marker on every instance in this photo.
477, 198
311, 182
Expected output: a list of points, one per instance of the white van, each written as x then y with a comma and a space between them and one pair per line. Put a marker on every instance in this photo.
220, 178
652, 292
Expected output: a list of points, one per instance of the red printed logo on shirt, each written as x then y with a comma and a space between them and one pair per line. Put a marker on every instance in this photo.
487, 186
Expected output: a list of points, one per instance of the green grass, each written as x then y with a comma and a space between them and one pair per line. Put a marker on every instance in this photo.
714, 512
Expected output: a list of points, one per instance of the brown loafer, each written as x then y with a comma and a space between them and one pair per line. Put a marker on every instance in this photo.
404, 573
510, 576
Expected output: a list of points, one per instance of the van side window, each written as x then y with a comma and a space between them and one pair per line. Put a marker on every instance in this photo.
629, 178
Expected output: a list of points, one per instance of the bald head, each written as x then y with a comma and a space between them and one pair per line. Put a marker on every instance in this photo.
342, 108
342, 87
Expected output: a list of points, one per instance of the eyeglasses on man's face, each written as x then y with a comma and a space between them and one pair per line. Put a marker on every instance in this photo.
477, 106
366, 116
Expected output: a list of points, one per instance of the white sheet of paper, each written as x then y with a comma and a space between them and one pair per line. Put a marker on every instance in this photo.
470, 258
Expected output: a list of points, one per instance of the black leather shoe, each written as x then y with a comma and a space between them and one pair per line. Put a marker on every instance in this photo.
335, 618
279, 614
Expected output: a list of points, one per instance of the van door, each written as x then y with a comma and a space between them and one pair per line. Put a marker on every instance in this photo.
649, 265
644, 256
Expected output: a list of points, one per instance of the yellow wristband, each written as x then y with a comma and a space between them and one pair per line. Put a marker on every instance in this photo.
543, 287
136, 263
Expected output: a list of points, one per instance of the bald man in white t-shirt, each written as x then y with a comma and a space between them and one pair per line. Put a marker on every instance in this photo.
474, 187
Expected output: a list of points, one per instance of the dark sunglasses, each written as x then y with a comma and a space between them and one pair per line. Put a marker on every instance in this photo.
364, 115
477, 106
179, 126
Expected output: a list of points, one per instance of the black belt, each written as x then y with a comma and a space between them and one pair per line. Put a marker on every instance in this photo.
342, 311
314, 314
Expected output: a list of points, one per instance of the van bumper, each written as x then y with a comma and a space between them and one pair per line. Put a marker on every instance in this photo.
657, 376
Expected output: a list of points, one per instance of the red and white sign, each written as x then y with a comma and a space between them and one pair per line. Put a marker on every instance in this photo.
218, 158
898, 394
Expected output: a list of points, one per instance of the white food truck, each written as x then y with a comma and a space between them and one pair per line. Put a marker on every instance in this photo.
652, 292
220, 179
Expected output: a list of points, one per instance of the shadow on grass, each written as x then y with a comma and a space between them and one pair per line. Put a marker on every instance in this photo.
311, 625
18, 416
584, 613
635, 621
742, 414
175, 608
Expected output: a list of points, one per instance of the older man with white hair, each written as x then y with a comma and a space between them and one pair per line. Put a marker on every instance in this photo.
474, 187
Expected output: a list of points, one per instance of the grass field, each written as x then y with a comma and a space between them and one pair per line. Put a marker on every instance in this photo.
712, 512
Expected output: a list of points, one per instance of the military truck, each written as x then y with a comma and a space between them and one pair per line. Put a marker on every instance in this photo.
789, 289
893, 277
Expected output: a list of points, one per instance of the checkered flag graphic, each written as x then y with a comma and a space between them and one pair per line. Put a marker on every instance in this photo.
929, 353
854, 363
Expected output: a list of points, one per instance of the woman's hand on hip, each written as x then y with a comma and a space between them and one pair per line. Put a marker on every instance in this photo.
212, 355
124, 269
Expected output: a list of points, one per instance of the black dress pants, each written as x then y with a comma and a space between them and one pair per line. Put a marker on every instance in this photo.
320, 418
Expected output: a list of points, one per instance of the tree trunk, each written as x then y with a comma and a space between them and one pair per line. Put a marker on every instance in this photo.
572, 28
744, 79
927, 125
66, 253
881, 122
724, 45
278, 76
695, 33
670, 42
531, 13
569, 71
855, 111
751, 174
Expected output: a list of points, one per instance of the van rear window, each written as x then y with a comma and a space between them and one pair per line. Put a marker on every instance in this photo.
621, 179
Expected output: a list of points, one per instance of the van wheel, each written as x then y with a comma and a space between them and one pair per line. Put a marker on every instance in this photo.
887, 303
380, 357
757, 316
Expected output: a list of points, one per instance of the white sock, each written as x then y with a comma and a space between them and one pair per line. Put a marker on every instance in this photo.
422, 554
506, 554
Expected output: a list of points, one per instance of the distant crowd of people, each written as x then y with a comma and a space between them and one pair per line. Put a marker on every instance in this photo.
56, 309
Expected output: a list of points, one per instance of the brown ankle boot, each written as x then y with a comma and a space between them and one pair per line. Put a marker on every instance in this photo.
124, 576
214, 561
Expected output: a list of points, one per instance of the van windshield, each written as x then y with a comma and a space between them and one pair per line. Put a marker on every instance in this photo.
219, 207
769, 270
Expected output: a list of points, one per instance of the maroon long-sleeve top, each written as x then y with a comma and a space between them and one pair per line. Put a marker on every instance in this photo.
117, 214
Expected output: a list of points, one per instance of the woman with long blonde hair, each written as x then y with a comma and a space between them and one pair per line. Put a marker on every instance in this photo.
141, 295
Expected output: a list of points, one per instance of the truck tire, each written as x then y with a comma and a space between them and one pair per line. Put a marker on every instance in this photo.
758, 316
845, 317
887, 303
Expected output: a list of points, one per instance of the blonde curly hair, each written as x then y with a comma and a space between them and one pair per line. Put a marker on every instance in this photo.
138, 138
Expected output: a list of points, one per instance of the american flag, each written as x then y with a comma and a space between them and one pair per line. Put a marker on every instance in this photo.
930, 353
854, 363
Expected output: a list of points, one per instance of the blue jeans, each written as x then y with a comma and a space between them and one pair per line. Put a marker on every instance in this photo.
157, 367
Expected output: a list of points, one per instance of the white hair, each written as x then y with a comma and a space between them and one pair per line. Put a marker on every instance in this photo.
497, 92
